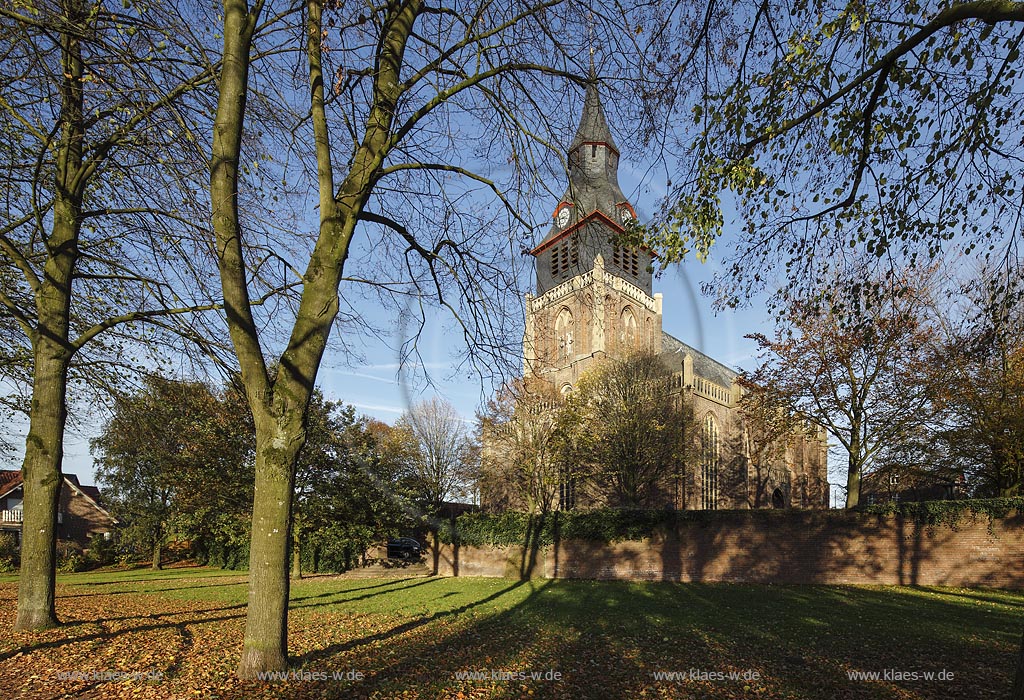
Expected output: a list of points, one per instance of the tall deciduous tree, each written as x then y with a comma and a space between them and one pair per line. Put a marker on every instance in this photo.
628, 428
978, 386
443, 463
523, 455
96, 198
164, 448
396, 93
351, 487
886, 128
854, 365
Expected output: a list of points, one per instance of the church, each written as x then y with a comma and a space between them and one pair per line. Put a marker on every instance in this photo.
595, 300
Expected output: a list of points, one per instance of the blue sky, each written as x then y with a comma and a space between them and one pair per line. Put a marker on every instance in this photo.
380, 388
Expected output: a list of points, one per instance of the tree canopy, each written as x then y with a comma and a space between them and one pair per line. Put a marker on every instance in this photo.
830, 128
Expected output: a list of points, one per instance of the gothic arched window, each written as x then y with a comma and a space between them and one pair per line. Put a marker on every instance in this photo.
630, 329
563, 334
710, 455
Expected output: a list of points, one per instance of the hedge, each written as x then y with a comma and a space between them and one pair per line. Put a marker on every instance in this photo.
616, 525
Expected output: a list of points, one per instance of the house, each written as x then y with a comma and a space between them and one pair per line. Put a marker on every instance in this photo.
594, 299
80, 514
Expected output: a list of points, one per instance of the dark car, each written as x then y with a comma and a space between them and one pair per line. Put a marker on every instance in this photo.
404, 548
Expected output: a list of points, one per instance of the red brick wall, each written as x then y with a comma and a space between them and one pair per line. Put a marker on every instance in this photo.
791, 547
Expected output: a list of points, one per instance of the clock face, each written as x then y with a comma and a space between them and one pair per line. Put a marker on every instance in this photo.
563, 217
626, 215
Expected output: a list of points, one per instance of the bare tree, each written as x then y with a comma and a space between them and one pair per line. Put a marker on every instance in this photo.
443, 463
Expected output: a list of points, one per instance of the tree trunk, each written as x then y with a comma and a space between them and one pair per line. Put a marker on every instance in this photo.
279, 403
853, 486
854, 466
44, 448
44, 452
296, 550
265, 646
1018, 682
156, 555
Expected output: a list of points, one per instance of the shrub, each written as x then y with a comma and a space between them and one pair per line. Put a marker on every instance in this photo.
100, 552
9, 555
513, 528
335, 548
949, 512
69, 557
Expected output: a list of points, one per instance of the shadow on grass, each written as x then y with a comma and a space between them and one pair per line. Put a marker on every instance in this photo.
109, 635
342, 592
148, 589
608, 639
327, 652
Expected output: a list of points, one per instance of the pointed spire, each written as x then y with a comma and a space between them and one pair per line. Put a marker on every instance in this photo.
593, 125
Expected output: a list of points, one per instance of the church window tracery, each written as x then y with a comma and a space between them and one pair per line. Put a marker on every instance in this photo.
710, 456
629, 328
563, 334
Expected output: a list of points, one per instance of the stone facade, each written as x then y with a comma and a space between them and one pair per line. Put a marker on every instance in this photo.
595, 300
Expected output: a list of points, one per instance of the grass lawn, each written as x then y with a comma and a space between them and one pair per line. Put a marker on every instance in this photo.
415, 637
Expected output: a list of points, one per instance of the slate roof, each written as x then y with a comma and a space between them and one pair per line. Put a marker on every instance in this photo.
592, 186
593, 124
672, 351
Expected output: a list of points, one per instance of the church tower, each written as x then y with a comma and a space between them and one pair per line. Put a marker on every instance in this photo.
593, 297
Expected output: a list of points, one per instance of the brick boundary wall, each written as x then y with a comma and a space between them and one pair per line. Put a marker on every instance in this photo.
801, 547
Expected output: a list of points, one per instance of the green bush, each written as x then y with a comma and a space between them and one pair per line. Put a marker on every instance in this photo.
9, 555
222, 554
69, 557
949, 512
100, 552
336, 548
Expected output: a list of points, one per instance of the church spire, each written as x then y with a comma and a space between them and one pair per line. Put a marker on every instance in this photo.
593, 126
593, 209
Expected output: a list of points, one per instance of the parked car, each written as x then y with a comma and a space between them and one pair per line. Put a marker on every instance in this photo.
405, 548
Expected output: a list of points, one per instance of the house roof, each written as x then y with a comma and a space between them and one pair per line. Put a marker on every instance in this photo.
10, 479
93, 493
673, 350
